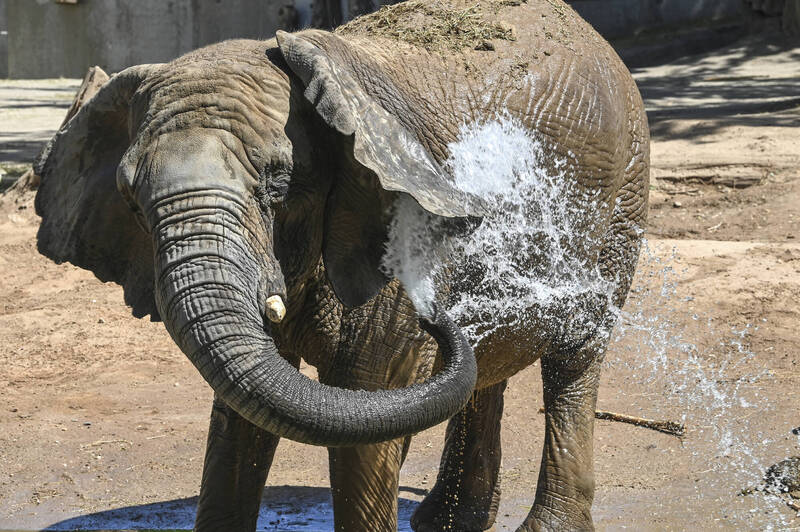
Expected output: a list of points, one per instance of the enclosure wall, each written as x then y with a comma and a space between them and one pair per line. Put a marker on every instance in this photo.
50, 39
3, 40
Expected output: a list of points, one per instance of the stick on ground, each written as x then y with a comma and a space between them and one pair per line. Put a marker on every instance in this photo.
667, 427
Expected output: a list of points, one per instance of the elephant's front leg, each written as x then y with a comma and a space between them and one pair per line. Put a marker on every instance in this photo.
238, 458
565, 488
467, 490
237, 462
364, 483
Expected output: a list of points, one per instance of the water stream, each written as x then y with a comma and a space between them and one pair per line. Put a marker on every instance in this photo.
528, 260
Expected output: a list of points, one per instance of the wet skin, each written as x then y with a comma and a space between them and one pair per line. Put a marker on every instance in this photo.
249, 170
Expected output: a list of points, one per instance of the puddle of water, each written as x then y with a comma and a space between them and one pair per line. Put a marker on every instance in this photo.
283, 508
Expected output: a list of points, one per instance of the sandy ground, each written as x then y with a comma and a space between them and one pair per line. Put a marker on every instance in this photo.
103, 421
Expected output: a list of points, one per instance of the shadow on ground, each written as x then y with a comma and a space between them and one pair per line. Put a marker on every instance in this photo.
18, 151
756, 75
30, 113
286, 508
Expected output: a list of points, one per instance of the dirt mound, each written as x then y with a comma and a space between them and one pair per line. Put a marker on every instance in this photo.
436, 26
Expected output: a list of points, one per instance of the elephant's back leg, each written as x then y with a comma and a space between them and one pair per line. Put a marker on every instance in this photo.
571, 371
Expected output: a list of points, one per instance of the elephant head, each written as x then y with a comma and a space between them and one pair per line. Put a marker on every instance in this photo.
211, 188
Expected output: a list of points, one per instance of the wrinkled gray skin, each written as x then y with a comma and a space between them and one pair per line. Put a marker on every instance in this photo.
251, 169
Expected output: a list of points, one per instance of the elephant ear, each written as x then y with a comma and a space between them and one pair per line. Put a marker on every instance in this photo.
382, 159
85, 220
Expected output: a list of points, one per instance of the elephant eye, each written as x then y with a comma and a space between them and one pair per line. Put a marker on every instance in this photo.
277, 187
274, 191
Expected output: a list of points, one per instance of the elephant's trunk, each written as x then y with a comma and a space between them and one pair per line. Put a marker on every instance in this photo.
207, 275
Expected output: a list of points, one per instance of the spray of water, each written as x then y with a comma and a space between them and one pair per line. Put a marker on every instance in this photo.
532, 261
528, 261
701, 369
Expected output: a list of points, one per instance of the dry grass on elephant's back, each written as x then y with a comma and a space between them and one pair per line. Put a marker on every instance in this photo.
455, 25
434, 27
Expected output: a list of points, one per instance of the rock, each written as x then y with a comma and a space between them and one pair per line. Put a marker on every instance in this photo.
784, 476
677, 204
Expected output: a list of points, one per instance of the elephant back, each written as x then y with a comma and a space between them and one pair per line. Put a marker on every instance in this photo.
438, 66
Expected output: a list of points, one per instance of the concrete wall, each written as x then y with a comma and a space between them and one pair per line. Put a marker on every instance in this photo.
50, 39
218, 20
3, 41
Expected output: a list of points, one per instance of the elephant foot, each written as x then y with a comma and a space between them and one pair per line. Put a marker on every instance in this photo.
439, 511
547, 521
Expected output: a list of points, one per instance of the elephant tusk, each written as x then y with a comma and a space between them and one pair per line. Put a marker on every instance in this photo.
275, 309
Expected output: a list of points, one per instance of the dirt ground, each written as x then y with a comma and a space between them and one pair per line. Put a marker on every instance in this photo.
103, 420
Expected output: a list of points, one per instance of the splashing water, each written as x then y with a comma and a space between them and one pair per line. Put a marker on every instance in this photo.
699, 369
532, 259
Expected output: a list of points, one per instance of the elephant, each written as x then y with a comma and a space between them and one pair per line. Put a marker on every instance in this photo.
243, 195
